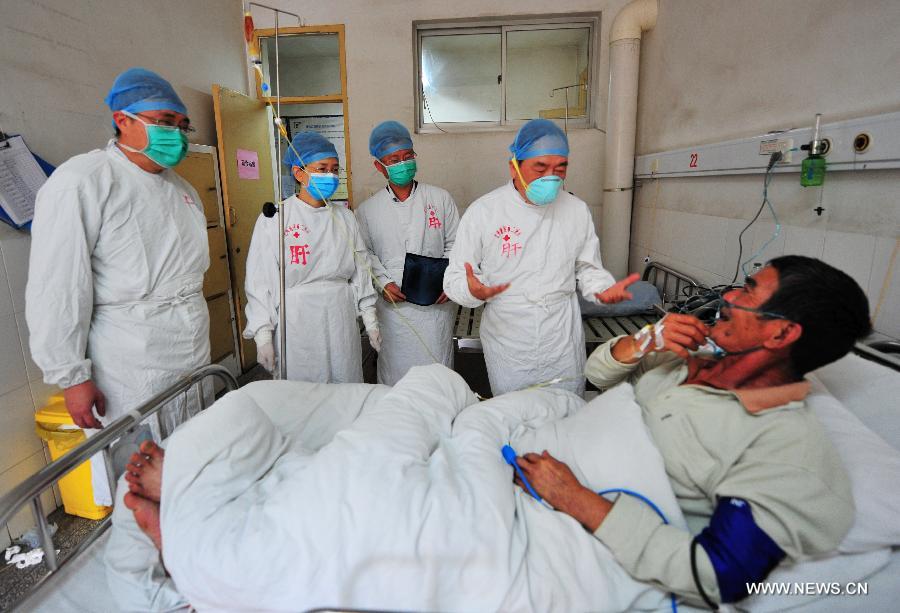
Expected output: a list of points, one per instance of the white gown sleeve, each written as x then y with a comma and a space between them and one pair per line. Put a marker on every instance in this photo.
261, 281
451, 224
59, 296
466, 248
590, 275
381, 274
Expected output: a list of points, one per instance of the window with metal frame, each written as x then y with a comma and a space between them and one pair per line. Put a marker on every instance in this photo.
497, 74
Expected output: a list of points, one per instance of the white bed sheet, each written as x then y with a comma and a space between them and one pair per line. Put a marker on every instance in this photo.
866, 388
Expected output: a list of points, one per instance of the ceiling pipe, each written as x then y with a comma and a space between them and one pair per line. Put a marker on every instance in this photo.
635, 18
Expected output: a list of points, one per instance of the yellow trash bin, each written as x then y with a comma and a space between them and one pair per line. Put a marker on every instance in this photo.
54, 424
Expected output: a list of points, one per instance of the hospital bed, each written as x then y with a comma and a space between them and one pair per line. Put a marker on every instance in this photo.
867, 382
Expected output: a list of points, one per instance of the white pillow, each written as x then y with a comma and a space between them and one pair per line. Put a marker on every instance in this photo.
874, 469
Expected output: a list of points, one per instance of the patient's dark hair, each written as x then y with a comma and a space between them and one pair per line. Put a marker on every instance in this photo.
829, 305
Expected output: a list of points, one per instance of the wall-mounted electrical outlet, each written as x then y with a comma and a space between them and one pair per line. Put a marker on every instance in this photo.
770, 146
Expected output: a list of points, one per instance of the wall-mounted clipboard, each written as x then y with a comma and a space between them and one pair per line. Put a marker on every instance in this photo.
21, 176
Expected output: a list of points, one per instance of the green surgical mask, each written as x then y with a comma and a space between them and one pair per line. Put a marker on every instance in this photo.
166, 145
401, 173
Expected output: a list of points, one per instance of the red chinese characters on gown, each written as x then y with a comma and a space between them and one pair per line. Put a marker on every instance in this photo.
509, 247
299, 254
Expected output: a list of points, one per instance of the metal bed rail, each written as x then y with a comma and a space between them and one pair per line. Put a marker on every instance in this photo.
30, 490
671, 280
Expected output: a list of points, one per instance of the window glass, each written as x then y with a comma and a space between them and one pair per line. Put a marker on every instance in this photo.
310, 64
460, 78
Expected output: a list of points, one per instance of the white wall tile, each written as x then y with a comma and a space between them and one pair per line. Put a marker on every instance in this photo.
15, 247
22, 520
17, 426
12, 362
804, 241
851, 253
703, 236
642, 226
41, 392
6, 303
881, 262
887, 320
34, 373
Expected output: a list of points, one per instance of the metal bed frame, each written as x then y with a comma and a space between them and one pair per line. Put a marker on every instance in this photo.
671, 284
29, 491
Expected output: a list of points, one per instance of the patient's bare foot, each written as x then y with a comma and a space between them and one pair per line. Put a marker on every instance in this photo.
146, 514
144, 471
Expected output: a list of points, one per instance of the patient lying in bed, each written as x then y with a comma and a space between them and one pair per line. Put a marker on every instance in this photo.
408, 506
290, 496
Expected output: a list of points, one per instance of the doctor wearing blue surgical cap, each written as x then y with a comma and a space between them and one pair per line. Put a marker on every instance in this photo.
326, 281
524, 249
407, 216
114, 300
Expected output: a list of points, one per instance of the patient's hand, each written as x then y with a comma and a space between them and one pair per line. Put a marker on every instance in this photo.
555, 483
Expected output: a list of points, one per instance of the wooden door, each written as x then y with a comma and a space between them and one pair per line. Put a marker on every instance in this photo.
242, 128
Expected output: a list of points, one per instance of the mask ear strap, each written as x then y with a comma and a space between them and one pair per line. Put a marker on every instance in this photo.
519, 172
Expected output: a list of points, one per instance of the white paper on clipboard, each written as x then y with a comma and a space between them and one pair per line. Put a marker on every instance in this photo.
20, 180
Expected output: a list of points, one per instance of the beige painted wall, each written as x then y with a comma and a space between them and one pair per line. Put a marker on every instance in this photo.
380, 83
59, 59
714, 70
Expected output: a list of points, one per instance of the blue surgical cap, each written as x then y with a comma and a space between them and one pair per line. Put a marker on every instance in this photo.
388, 137
311, 147
138, 89
539, 137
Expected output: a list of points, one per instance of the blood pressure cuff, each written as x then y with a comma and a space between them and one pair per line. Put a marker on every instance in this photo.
739, 550
423, 278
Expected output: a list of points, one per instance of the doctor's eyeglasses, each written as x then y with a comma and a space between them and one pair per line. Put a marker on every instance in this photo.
185, 127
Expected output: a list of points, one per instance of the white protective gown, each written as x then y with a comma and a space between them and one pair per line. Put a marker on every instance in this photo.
425, 224
115, 284
531, 333
326, 286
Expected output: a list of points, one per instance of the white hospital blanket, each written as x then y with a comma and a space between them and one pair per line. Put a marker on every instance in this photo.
408, 506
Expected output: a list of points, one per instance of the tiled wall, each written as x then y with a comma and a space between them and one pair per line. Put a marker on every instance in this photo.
693, 224
21, 389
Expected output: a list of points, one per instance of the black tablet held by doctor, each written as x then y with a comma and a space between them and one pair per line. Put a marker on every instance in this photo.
423, 278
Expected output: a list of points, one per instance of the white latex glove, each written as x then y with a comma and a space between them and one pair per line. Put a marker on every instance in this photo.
375, 338
370, 321
265, 350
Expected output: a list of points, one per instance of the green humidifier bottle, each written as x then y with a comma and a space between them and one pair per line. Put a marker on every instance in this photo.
812, 169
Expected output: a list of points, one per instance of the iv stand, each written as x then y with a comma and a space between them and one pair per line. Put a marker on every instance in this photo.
282, 318
566, 89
